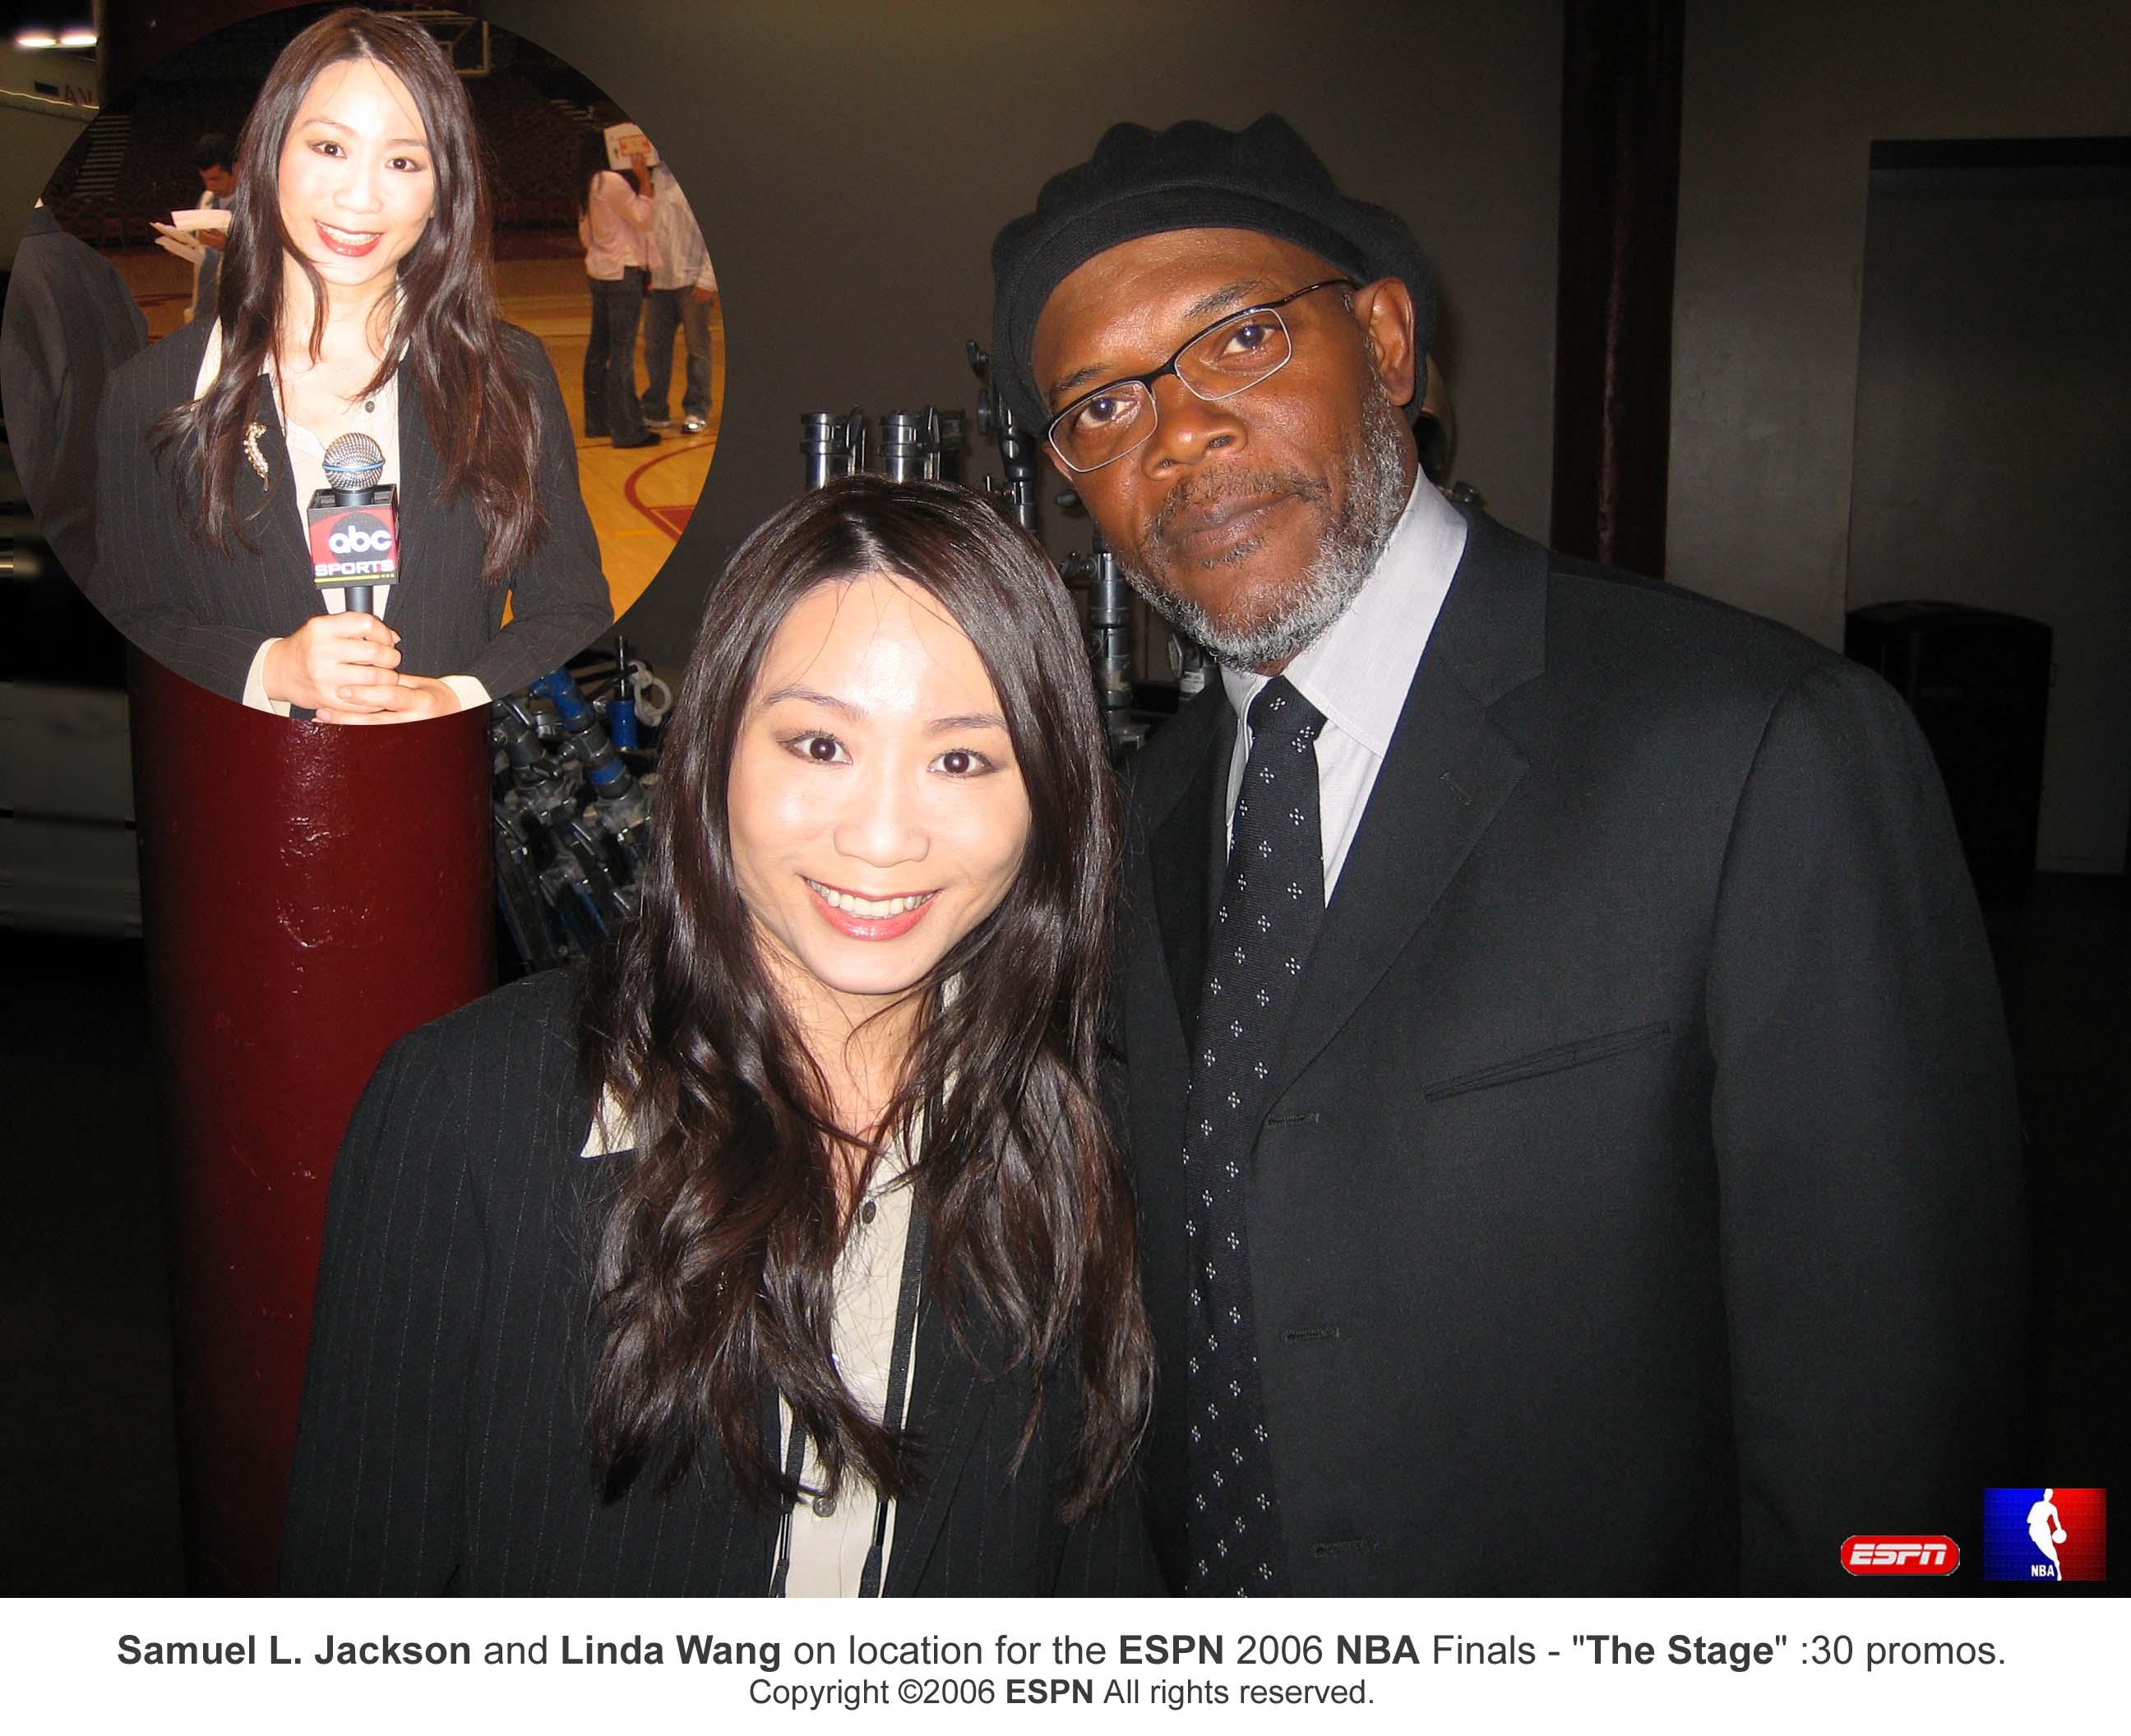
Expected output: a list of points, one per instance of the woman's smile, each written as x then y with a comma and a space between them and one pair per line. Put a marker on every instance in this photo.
356, 181
354, 243
877, 812
870, 919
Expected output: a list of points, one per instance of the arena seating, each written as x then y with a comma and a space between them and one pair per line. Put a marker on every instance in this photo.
531, 141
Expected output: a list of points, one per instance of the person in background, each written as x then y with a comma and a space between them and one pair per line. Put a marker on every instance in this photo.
684, 289
614, 223
215, 158
788, 1253
70, 323
359, 300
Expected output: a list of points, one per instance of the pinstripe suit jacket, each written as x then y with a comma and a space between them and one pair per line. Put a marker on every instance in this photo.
441, 1441
204, 616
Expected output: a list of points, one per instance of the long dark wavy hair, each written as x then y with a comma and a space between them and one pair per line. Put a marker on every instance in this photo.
447, 338
715, 1265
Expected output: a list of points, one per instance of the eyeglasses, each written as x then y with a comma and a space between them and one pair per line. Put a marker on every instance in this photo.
1235, 353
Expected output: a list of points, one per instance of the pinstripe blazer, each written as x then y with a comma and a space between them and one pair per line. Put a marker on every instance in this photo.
204, 616
441, 1443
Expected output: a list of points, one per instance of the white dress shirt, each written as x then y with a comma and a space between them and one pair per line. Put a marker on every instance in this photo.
830, 1539
1357, 671
683, 262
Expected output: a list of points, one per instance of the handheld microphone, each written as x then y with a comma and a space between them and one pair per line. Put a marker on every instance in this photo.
354, 524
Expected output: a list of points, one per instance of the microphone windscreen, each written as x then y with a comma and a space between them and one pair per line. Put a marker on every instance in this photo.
354, 460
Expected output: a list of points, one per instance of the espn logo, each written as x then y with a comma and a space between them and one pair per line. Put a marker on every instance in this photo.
350, 542
1934, 1555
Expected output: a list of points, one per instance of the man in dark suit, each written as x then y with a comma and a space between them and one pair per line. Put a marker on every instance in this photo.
214, 157
70, 324
1574, 1122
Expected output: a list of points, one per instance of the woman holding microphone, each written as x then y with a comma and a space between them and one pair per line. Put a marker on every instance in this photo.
355, 299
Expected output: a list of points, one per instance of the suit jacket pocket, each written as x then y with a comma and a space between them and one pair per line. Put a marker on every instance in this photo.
1558, 1059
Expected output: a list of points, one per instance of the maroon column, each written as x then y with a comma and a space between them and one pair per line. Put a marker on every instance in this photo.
308, 893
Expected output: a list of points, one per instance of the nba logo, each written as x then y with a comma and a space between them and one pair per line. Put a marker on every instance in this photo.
2045, 1535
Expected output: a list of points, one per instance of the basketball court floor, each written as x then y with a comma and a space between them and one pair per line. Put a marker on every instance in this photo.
640, 500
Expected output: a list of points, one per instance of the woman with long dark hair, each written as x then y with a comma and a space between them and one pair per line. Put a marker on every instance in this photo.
355, 298
788, 1252
614, 223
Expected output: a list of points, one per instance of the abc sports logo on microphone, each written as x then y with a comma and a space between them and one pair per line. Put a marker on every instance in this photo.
352, 542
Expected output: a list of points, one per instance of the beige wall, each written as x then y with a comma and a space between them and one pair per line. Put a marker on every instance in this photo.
1782, 101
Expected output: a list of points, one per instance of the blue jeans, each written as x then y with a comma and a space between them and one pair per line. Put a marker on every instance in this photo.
611, 405
664, 309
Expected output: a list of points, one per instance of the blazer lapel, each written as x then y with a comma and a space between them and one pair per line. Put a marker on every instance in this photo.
421, 470
276, 522
414, 608
1449, 770
951, 1401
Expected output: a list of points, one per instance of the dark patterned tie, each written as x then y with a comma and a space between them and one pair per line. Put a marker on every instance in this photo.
1272, 901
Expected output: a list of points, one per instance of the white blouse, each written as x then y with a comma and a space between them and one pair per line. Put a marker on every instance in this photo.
829, 1538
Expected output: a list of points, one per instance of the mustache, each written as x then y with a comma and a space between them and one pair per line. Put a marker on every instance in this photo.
1194, 493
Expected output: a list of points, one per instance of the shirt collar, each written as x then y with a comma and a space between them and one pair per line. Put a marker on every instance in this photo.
211, 358
387, 397
1358, 670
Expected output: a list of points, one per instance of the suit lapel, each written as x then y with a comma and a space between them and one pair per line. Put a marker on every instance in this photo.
423, 518
948, 1401
947, 1404
276, 522
1449, 770
421, 472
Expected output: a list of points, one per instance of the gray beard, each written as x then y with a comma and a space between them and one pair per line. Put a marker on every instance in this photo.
1375, 496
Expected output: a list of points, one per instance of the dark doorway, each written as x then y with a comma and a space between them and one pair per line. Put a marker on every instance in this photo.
1992, 462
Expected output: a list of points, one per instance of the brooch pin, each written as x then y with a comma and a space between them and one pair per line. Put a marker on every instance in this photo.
258, 459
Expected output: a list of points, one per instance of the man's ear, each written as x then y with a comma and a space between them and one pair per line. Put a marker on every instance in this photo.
1385, 311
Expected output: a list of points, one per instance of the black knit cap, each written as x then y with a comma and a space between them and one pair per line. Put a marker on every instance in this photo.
1194, 175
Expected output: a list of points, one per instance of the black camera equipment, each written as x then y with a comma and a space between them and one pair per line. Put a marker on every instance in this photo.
834, 445
573, 816
1108, 611
925, 444
1017, 451
929, 443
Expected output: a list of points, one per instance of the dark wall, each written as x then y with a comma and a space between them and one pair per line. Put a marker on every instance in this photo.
1781, 103
850, 161
1992, 463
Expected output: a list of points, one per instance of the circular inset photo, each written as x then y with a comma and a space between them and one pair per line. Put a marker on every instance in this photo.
360, 365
